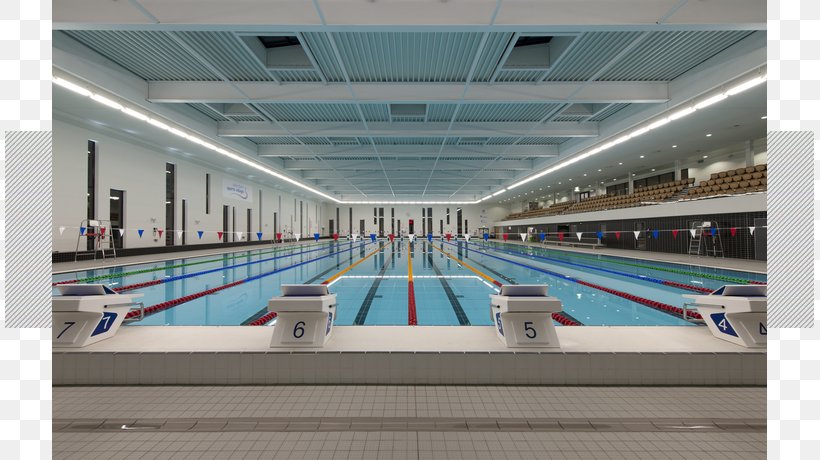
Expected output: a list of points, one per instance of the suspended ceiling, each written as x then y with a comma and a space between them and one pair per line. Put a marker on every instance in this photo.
392, 109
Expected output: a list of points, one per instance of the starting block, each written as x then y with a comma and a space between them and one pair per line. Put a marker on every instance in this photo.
523, 316
305, 315
86, 313
736, 313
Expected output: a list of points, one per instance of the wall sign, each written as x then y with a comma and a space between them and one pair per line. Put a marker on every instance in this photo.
237, 191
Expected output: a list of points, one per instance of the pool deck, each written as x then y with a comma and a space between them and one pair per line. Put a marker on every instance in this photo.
623, 355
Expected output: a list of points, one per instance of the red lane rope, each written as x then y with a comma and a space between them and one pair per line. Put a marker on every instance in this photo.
412, 320
688, 286
173, 303
649, 303
563, 320
264, 319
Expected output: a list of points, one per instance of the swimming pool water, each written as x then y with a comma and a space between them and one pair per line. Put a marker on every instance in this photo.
374, 289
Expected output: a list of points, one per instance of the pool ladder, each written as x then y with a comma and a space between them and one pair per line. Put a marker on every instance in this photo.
687, 307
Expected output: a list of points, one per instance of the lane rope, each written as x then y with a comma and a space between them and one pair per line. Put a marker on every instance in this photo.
660, 306
412, 319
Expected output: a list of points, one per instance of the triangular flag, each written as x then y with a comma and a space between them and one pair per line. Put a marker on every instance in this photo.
655, 234
505, 236
315, 236
578, 234
429, 237
82, 231
355, 236
160, 233
733, 231
486, 236
523, 236
239, 235
617, 235
693, 232
373, 237
675, 234
600, 235
714, 230
102, 231
179, 233
219, 235
411, 237
335, 237
297, 235
139, 231
466, 237
448, 236
61, 229
122, 231
392, 237
200, 233
259, 236
543, 236
561, 236
752, 230
278, 236
637, 233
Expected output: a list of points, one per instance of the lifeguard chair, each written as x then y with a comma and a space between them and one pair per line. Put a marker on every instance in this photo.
103, 236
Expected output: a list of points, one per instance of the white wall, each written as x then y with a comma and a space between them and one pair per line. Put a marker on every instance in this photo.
140, 172
476, 216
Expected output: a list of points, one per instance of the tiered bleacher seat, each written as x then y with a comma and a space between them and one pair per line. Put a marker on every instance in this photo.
732, 182
555, 209
640, 197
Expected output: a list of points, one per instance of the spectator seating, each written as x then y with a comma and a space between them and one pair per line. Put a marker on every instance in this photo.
732, 182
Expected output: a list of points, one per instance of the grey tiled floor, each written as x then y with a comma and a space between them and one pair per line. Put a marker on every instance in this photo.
407, 401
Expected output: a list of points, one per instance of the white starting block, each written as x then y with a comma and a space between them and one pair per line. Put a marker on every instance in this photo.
86, 313
523, 316
736, 313
305, 315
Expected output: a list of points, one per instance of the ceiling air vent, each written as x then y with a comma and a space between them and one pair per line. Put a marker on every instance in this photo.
279, 52
536, 52
408, 112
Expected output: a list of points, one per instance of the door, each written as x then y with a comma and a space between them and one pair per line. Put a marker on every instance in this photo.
184, 220
361, 227
117, 217
224, 224
331, 227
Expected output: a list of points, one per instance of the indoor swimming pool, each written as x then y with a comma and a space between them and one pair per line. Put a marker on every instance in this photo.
399, 283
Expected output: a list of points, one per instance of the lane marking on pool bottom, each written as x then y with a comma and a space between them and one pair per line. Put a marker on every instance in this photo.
559, 317
174, 302
412, 319
364, 308
461, 316
264, 319
659, 306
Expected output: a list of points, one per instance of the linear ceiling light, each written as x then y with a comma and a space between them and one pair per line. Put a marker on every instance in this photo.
644, 129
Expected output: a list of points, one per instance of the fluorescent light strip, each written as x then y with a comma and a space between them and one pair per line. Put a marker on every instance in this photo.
642, 130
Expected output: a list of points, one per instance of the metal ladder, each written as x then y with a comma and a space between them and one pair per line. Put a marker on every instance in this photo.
717, 243
695, 242
102, 232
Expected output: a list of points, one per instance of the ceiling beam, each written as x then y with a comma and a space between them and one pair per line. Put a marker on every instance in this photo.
510, 165
262, 92
406, 129
270, 150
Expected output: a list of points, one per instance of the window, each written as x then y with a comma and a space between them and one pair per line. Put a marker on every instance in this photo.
170, 188
207, 193
448, 216
92, 188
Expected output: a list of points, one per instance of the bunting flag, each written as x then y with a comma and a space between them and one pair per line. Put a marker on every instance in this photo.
373, 237
578, 234
655, 234
315, 236
160, 233
693, 232
278, 236
297, 236
543, 236
61, 229
714, 231
391, 237
139, 232
448, 236
355, 237
219, 235
486, 236
600, 235
430, 237
200, 233
505, 236
179, 234
82, 231
122, 231
733, 231
752, 230
637, 233
259, 236
466, 237
102, 231
411, 237
239, 235
561, 236
675, 234
617, 235
335, 237
523, 236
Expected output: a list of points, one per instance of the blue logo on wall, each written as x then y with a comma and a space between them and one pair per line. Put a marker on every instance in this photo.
723, 324
105, 323
498, 322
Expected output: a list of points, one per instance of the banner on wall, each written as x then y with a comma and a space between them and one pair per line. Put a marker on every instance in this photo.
236, 190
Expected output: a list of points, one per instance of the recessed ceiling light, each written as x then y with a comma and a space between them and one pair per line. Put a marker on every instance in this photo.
599, 170
763, 117
559, 183
641, 156
570, 180
633, 174
620, 164
585, 175
706, 156
653, 169
674, 146
709, 135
